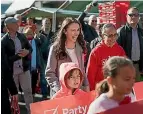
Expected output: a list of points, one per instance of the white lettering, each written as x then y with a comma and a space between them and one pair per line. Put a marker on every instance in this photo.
78, 110
84, 109
65, 111
71, 111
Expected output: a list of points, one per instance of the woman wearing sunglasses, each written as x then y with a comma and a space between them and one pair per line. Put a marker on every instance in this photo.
101, 53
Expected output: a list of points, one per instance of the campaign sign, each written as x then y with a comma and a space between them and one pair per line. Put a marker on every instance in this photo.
138, 90
73, 104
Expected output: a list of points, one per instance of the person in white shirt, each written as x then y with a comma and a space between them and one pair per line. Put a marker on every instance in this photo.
116, 88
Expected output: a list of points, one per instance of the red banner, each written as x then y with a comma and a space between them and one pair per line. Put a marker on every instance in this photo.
77, 104
138, 90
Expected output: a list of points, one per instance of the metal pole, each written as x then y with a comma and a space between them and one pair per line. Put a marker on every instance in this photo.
55, 15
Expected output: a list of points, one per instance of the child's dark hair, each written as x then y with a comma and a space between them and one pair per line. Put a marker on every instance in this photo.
111, 68
71, 72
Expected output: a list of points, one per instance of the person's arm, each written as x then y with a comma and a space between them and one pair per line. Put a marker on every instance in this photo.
27, 47
51, 68
27, 44
4, 46
14, 57
85, 83
83, 15
92, 69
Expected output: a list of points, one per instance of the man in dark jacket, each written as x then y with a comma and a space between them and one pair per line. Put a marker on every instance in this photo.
89, 30
131, 39
7, 84
98, 39
17, 49
46, 38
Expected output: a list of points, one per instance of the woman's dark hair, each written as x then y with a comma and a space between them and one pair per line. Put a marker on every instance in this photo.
59, 44
111, 68
71, 72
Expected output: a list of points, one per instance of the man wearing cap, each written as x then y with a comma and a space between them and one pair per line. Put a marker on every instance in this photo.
18, 49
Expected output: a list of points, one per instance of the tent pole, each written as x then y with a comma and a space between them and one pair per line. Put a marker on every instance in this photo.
55, 16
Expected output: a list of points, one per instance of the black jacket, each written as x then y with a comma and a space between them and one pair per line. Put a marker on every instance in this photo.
9, 47
6, 74
125, 40
95, 42
7, 83
88, 31
46, 43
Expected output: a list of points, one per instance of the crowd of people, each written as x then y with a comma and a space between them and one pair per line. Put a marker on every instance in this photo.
81, 58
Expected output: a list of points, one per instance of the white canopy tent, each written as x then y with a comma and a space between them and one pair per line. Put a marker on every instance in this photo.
51, 12
19, 5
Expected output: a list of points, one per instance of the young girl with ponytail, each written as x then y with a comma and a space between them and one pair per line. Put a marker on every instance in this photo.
116, 88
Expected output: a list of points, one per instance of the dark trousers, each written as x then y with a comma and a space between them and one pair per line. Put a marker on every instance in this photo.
34, 75
137, 72
43, 83
5, 103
